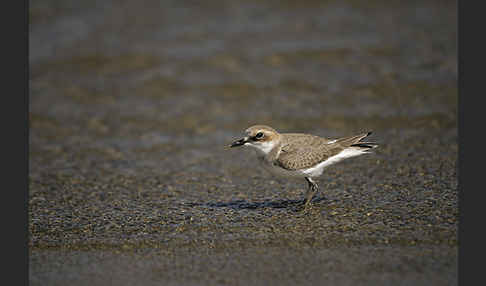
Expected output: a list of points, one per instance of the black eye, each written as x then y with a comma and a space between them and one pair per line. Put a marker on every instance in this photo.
259, 135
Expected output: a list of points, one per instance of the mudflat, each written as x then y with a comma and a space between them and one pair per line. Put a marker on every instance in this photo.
131, 106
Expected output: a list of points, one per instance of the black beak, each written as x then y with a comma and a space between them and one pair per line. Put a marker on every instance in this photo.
240, 142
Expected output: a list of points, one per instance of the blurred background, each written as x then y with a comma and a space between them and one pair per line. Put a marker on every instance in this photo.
132, 102
128, 78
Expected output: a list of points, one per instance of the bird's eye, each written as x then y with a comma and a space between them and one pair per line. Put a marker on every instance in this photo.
259, 135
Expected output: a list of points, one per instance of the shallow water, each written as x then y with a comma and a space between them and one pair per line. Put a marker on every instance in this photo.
132, 103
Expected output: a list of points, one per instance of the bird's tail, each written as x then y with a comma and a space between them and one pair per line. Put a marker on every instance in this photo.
355, 141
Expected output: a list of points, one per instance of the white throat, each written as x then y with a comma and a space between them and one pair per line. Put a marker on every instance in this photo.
262, 147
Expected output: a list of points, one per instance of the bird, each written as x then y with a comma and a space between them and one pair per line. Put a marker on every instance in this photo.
300, 155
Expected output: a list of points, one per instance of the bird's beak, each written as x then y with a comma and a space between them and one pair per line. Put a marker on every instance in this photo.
240, 142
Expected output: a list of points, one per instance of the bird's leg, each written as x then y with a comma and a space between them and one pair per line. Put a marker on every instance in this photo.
313, 188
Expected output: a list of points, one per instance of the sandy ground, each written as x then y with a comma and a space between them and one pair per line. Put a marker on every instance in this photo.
132, 103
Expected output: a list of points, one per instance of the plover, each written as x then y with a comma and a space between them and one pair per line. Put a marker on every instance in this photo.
298, 155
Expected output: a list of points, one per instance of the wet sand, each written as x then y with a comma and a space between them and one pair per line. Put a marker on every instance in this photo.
131, 106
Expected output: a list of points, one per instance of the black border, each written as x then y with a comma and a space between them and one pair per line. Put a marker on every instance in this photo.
471, 49
15, 142
462, 276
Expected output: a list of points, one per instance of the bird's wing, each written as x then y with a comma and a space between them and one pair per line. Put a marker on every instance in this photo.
304, 151
301, 151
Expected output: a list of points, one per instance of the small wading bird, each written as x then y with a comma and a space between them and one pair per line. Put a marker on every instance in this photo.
298, 155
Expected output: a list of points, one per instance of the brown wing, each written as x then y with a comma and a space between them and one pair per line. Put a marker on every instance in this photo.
303, 151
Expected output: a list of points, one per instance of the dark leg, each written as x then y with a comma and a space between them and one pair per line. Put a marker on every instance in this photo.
313, 188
